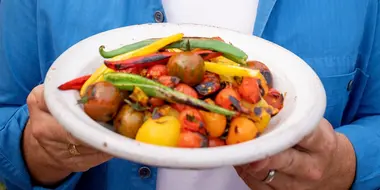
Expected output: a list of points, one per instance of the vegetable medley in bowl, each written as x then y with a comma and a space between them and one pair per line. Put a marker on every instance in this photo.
177, 91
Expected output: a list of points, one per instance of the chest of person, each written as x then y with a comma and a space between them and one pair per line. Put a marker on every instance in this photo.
324, 33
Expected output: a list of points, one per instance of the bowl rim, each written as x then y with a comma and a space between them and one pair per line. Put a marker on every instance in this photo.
173, 157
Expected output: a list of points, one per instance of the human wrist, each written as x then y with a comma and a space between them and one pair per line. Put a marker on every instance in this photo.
40, 165
345, 160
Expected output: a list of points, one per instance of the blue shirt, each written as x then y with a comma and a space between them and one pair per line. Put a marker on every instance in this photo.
339, 39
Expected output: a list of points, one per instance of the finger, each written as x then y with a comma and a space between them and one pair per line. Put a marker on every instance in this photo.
251, 182
36, 99
48, 129
85, 162
292, 162
61, 150
279, 181
321, 138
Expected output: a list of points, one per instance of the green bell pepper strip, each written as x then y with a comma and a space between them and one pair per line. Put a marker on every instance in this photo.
228, 50
126, 81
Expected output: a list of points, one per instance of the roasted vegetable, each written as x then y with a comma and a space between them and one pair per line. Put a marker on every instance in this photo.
187, 66
223, 97
215, 124
214, 142
128, 121
163, 131
186, 89
257, 65
228, 50
140, 61
127, 81
249, 90
102, 101
209, 85
169, 81
146, 50
189, 139
75, 84
241, 130
274, 98
191, 119
157, 71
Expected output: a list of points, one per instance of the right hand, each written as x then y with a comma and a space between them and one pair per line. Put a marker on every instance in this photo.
46, 146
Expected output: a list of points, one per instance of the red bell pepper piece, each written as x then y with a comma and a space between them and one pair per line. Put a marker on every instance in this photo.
75, 84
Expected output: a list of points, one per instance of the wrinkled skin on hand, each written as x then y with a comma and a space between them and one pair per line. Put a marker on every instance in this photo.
45, 146
323, 160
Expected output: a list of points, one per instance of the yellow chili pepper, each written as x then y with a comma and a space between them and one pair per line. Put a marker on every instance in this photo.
97, 76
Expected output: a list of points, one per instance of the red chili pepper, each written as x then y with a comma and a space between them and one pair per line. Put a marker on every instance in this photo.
75, 84
202, 51
141, 61
212, 56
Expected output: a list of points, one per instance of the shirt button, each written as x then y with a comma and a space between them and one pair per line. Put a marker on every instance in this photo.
349, 86
158, 16
144, 172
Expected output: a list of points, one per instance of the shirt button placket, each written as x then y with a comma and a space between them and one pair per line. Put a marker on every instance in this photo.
159, 16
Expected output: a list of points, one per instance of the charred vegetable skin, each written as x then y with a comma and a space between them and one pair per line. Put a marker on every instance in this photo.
127, 81
228, 50
149, 92
102, 101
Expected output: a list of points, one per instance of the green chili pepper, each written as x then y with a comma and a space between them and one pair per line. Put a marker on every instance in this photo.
126, 81
229, 51
124, 49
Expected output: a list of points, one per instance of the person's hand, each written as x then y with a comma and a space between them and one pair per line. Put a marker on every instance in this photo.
323, 160
51, 153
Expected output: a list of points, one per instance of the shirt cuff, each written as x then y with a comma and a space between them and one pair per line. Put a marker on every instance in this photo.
68, 184
364, 135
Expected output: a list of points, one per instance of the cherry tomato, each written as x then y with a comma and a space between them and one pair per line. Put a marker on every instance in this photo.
241, 130
102, 101
215, 123
186, 89
188, 66
191, 119
249, 90
214, 142
264, 70
189, 139
169, 81
274, 98
223, 97
155, 102
156, 71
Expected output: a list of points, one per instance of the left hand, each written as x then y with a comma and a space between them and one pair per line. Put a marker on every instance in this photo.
323, 160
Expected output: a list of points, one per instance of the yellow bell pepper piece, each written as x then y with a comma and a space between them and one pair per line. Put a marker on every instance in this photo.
97, 76
223, 60
231, 70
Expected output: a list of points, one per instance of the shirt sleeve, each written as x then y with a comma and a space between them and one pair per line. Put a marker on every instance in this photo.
364, 132
19, 74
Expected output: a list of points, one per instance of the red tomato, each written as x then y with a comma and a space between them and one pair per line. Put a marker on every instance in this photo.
274, 98
191, 119
249, 90
214, 142
188, 139
156, 71
186, 89
223, 97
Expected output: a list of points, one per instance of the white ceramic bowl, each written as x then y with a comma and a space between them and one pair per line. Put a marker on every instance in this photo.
304, 105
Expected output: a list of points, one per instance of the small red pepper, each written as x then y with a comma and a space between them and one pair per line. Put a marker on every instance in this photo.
218, 38
141, 61
75, 84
